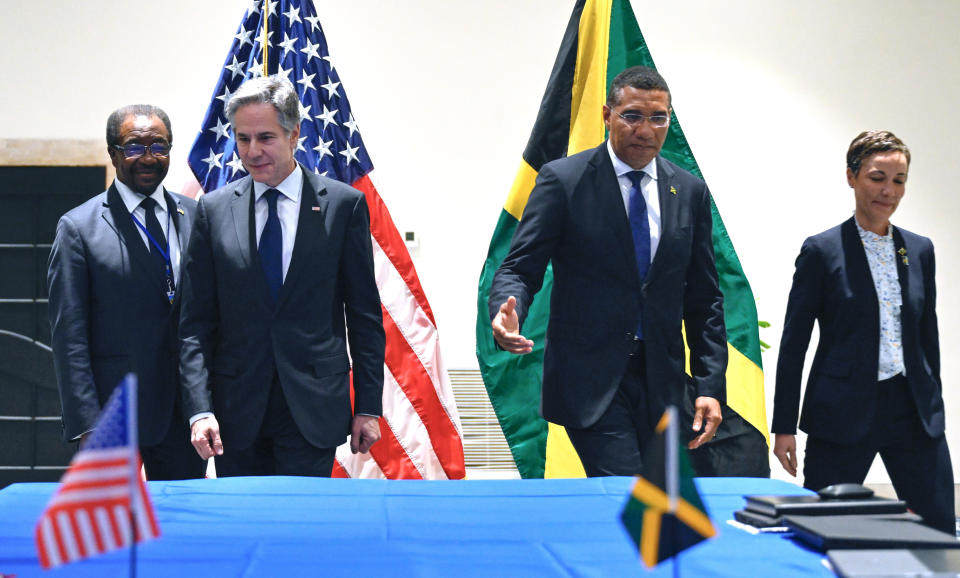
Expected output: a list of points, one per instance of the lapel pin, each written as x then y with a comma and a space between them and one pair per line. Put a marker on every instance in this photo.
673, 190
315, 209
903, 256
179, 210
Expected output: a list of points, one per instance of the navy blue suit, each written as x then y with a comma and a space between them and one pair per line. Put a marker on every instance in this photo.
845, 409
236, 342
575, 218
109, 315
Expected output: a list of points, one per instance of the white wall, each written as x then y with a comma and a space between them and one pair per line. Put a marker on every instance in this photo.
768, 93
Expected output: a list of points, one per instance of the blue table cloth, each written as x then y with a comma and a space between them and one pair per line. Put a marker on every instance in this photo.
288, 526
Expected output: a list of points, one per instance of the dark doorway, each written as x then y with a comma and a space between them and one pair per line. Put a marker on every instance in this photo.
32, 199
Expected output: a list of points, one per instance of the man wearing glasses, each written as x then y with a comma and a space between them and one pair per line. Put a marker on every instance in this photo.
629, 235
114, 301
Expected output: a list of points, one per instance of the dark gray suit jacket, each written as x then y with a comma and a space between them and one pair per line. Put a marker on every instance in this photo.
833, 286
109, 314
232, 341
575, 218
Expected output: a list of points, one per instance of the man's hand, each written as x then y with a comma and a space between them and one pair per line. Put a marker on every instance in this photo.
364, 432
785, 448
205, 437
707, 415
506, 329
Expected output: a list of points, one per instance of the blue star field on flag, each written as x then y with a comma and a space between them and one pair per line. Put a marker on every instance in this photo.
113, 425
329, 143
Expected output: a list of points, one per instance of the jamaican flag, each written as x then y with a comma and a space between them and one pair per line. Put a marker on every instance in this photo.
601, 39
664, 514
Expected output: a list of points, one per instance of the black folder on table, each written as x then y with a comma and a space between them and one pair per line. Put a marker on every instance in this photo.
881, 563
853, 532
777, 506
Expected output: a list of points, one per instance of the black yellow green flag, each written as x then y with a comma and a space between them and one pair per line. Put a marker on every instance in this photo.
601, 39
664, 514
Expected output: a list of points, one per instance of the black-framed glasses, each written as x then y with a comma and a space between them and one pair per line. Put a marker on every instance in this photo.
635, 118
132, 151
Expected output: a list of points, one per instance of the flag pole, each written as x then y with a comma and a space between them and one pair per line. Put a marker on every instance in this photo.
131, 385
266, 35
672, 466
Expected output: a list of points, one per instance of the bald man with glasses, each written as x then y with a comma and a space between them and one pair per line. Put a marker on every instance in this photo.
114, 303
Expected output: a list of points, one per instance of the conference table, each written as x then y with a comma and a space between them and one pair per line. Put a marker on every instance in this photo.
291, 526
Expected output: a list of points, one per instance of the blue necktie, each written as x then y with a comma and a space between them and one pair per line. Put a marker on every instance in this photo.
156, 232
640, 229
271, 247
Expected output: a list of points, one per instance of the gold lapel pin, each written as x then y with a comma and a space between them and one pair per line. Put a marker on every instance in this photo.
179, 210
673, 190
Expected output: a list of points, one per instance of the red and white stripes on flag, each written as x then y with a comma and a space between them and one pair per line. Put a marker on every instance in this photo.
420, 426
102, 502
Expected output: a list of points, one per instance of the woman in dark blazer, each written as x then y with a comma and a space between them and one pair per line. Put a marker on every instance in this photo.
874, 386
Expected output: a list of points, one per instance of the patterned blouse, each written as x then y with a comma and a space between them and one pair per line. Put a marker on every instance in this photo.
882, 257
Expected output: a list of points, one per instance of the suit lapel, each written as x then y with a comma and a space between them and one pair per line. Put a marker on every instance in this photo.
903, 273
119, 219
181, 224
610, 204
311, 235
242, 208
861, 279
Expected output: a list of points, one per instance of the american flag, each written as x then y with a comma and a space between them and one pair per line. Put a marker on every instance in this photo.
421, 433
102, 501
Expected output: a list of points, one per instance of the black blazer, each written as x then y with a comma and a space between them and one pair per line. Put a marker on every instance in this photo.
109, 314
833, 286
232, 341
575, 218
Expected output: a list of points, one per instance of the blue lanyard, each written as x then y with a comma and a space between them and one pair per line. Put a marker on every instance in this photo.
171, 291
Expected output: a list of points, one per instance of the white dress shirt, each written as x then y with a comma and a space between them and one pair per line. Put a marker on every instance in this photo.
132, 201
288, 210
651, 194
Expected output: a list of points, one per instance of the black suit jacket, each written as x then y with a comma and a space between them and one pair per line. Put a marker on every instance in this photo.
109, 314
833, 286
575, 218
232, 341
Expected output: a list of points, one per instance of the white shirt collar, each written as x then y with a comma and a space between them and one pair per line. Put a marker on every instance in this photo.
290, 187
621, 168
131, 199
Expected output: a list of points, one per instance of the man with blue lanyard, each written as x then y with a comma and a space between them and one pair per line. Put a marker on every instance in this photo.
114, 301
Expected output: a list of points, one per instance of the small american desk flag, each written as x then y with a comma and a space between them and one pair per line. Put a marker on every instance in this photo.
102, 502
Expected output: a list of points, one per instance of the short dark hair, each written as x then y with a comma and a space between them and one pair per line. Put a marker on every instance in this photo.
639, 77
871, 142
117, 117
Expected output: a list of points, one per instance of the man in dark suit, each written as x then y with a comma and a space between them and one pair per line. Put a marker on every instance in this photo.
630, 238
874, 386
114, 303
280, 265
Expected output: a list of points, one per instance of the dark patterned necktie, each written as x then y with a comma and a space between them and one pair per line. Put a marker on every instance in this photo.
640, 229
271, 247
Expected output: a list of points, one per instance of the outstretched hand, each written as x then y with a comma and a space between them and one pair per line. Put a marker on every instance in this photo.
506, 329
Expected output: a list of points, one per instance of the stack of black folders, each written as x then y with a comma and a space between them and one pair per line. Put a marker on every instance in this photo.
837, 500
849, 517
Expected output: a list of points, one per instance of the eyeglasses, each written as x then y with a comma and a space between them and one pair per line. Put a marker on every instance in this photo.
656, 121
132, 151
